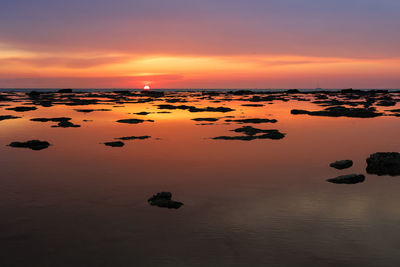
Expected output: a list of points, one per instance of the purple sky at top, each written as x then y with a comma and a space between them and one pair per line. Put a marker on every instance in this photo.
356, 28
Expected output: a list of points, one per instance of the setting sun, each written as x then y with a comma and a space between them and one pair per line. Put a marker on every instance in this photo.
146, 87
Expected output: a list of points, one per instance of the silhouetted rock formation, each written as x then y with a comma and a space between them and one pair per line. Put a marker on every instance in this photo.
252, 105
205, 119
342, 164
91, 110
32, 144
252, 120
134, 137
133, 121
250, 134
384, 163
59, 119
163, 200
348, 179
8, 117
340, 111
66, 124
195, 109
115, 144
65, 91
22, 108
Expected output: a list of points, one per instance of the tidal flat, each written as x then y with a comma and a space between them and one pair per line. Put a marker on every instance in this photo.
200, 178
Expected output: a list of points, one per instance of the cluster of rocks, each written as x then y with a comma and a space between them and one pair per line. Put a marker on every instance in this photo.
381, 163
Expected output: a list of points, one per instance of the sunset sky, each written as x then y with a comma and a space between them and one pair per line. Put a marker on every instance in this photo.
200, 44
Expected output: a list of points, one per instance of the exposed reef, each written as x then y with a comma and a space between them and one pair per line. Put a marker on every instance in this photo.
8, 117
384, 163
348, 179
252, 120
115, 144
164, 200
133, 121
340, 111
134, 137
32, 144
342, 164
22, 108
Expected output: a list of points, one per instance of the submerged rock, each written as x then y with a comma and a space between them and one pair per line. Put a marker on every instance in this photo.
133, 121
342, 164
22, 108
348, 179
32, 144
384, 163
115, 144
164, 200
8, 117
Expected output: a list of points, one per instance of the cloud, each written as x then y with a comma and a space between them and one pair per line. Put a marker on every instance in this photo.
68, 62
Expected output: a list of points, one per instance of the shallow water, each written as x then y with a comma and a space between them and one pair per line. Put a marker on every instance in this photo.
246, 203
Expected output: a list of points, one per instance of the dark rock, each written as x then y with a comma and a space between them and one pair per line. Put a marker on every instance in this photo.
115, 144
195, 109
134, 137
384, 163
91, 110
340, 111
65, 91
250, 134
133, 121
32, 144
386, 103
252, 105
348, 179
8, 117
241, 92
249, 130
59, 119
252, 120
205, 119
153, 93
164, 200
293, 91
22, 108
66, 124
342, 164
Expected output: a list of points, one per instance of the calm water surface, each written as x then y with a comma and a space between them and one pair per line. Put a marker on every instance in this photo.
246, 203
